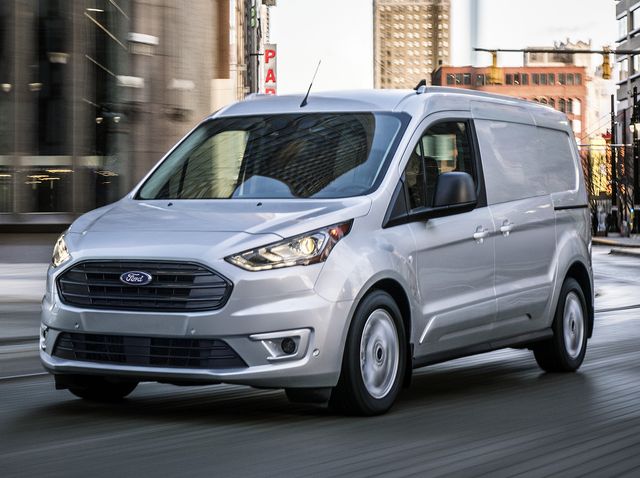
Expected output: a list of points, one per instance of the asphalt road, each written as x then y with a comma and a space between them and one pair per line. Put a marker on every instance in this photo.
495, 414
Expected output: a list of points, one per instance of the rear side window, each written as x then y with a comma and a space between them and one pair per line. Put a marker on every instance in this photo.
442, 148
557, 158
523, 161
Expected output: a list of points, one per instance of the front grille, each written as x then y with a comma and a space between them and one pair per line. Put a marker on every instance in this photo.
175, 286
147, 351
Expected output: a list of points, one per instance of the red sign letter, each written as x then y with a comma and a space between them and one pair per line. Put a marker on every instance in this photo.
268, 55
271, 77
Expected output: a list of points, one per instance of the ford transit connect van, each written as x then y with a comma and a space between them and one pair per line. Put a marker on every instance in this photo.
329, 249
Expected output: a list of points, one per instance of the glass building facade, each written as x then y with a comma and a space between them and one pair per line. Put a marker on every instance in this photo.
61, 126
94, 92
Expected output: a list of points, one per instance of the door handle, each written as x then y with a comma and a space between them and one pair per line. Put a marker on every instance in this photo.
506, 228
480, 234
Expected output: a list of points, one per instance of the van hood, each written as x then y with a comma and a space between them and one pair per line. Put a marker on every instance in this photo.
281, 217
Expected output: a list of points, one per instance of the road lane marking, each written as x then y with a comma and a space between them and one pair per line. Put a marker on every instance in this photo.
26, 375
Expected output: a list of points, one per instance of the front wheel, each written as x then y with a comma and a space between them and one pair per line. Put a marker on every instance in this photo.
565, 351
374, 358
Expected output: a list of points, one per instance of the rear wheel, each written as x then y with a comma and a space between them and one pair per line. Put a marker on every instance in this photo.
374, 358
101, 389
565, 351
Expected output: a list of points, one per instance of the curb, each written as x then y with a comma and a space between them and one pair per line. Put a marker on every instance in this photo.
614, 243
625, 252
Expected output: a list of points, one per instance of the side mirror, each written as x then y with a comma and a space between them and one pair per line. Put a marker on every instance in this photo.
455, 193
454, 189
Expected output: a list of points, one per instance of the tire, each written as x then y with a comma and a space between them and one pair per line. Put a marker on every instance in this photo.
565, 351
99, 389
374, 358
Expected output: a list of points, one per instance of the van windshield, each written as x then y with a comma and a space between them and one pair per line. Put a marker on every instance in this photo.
315, 155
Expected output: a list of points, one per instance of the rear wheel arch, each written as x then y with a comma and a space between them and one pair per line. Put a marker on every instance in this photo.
578, 271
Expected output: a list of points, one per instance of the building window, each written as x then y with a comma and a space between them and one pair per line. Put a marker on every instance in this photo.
552, 102
635, 19
509, 79
562, 105
624, 69
543, 79
516, 79
458, 78
524, 79
562, 79
543, 101
622, 27
535, 77
480, 80
451, 79
466, 79
576, 107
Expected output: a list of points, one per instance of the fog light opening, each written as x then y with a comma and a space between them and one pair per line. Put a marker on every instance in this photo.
288, 345
43, 337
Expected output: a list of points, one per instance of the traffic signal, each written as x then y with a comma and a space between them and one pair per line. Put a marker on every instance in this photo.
495, 76
606, 65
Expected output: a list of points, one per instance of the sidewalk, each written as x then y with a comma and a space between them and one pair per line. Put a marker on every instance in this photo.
21, 290
22, 283
624, 246
19, 323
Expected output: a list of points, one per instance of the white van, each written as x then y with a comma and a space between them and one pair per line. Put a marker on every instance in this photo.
329, 249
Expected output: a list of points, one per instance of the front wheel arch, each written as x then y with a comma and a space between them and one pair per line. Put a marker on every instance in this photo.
399, 295
354, 393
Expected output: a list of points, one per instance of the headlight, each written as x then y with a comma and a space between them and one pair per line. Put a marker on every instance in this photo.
60, 252
309, 248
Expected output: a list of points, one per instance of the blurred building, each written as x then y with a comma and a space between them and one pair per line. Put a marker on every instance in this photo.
627, 131
95, 92
628, 18
599, 90
561, 87
410, 39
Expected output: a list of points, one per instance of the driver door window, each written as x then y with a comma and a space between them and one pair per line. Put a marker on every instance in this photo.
444, 147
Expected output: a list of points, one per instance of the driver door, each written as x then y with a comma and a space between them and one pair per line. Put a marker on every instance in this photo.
455, 256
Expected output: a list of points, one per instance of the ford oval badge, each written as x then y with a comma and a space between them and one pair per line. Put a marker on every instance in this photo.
136, 278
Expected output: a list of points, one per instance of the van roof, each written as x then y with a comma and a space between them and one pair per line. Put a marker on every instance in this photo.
379, 100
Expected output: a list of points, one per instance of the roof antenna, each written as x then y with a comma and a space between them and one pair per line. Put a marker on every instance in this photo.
304, 101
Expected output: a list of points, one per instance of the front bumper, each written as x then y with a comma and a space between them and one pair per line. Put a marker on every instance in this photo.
250, 327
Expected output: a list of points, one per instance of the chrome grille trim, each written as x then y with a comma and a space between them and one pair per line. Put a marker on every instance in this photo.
176, 286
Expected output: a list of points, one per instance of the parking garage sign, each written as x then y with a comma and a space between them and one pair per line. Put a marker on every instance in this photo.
270, 69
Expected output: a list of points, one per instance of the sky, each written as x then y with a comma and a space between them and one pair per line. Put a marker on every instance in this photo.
339, 33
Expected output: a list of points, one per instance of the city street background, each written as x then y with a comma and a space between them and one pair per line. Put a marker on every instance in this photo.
93, 93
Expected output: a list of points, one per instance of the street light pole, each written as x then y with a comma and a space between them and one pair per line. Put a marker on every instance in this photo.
614, 172
635, 120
